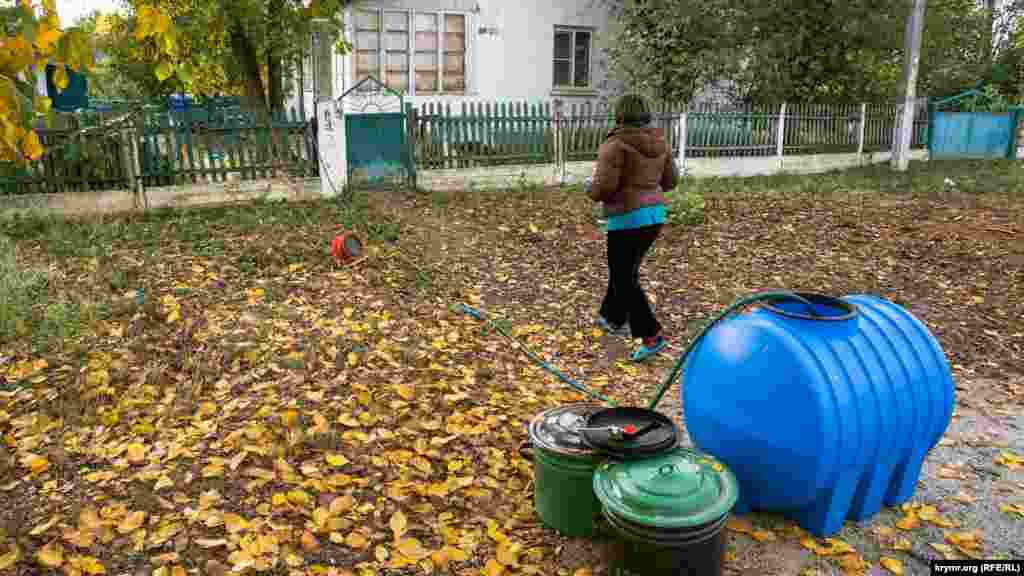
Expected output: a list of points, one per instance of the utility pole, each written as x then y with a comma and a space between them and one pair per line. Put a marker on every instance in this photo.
912, 57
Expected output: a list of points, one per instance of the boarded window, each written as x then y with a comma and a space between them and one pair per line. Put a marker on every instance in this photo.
412, 51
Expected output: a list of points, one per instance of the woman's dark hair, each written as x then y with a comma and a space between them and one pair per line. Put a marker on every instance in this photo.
632, 110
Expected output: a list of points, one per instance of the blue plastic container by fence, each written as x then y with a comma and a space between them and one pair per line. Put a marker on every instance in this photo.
823, 415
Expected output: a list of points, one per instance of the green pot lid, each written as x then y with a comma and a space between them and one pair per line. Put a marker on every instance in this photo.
558, 430
679, 489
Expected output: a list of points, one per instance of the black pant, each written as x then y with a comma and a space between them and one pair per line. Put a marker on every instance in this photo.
625, 299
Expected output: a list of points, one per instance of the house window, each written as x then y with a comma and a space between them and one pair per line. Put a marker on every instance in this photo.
572, 58
411, 51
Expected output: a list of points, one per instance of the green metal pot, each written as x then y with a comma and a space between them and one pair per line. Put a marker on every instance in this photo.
668, 513
563, 470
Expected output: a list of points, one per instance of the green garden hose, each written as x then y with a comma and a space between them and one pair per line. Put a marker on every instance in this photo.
736, 307
479, 315
677, 370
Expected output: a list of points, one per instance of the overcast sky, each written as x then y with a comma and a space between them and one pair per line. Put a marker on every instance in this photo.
71, 10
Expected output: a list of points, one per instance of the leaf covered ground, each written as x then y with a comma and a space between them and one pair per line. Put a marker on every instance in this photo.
205, 392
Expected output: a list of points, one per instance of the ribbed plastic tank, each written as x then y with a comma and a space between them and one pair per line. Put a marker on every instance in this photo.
824, 409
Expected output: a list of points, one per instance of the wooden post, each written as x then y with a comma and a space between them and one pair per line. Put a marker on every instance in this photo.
128, 165
780, 143
411, 128
860, 131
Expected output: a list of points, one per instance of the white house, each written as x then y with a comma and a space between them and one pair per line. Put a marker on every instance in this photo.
452, 51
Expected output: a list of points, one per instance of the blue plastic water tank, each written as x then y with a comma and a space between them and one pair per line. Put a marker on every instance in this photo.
825, 416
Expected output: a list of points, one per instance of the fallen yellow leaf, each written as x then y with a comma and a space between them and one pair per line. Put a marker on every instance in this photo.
92, 565
412, 548
42, 528
406, 392
51, 555
9, 558
36, 464
1014, 508
356, 540
892, 565
763, 536
336, 460
853, 564
1010, 460
132, 522
903, 545
309, 542
136, 453
398, 524
945, 549
508, 553
493, 568
909, 522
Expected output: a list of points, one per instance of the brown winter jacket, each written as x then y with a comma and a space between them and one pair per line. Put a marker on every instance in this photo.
634, 169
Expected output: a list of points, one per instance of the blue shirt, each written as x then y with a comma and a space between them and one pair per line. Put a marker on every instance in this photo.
646, 216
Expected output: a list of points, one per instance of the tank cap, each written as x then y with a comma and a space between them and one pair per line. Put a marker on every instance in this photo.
811, 306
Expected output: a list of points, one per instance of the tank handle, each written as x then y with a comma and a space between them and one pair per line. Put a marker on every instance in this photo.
810, 299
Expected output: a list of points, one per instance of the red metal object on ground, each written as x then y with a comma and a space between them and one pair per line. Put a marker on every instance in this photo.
347, 248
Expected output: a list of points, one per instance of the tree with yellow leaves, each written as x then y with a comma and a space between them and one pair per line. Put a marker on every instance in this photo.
35, 38
241, 47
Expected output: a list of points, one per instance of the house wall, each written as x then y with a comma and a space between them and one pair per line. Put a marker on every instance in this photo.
510, 49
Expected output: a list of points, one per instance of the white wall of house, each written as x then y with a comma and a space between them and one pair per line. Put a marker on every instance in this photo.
503, 51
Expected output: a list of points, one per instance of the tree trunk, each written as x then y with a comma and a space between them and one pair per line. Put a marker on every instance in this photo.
245, 52
989, 35
275, 67
274, 77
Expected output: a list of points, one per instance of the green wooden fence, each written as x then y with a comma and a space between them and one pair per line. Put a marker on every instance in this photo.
483, 134
219, 140
172, 147
175, 149
491, 134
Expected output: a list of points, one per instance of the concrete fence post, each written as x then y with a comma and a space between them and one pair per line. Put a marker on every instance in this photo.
860, 132
558, 110
330, 127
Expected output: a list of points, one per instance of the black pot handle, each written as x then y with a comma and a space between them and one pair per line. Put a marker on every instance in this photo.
601, 525
524, 451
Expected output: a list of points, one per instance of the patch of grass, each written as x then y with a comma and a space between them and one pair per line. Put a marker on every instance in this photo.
441, 198
686, 206
20, 290
970, 177
61, 322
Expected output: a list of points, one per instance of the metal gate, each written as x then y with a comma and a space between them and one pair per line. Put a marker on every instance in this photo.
971, 134
376, 142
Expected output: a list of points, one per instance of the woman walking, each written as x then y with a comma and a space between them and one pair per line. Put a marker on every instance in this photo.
634, 169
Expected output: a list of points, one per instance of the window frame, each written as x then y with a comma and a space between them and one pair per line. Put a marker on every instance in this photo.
410, 51
573, 31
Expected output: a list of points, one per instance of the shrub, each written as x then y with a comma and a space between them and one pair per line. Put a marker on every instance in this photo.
685, 206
